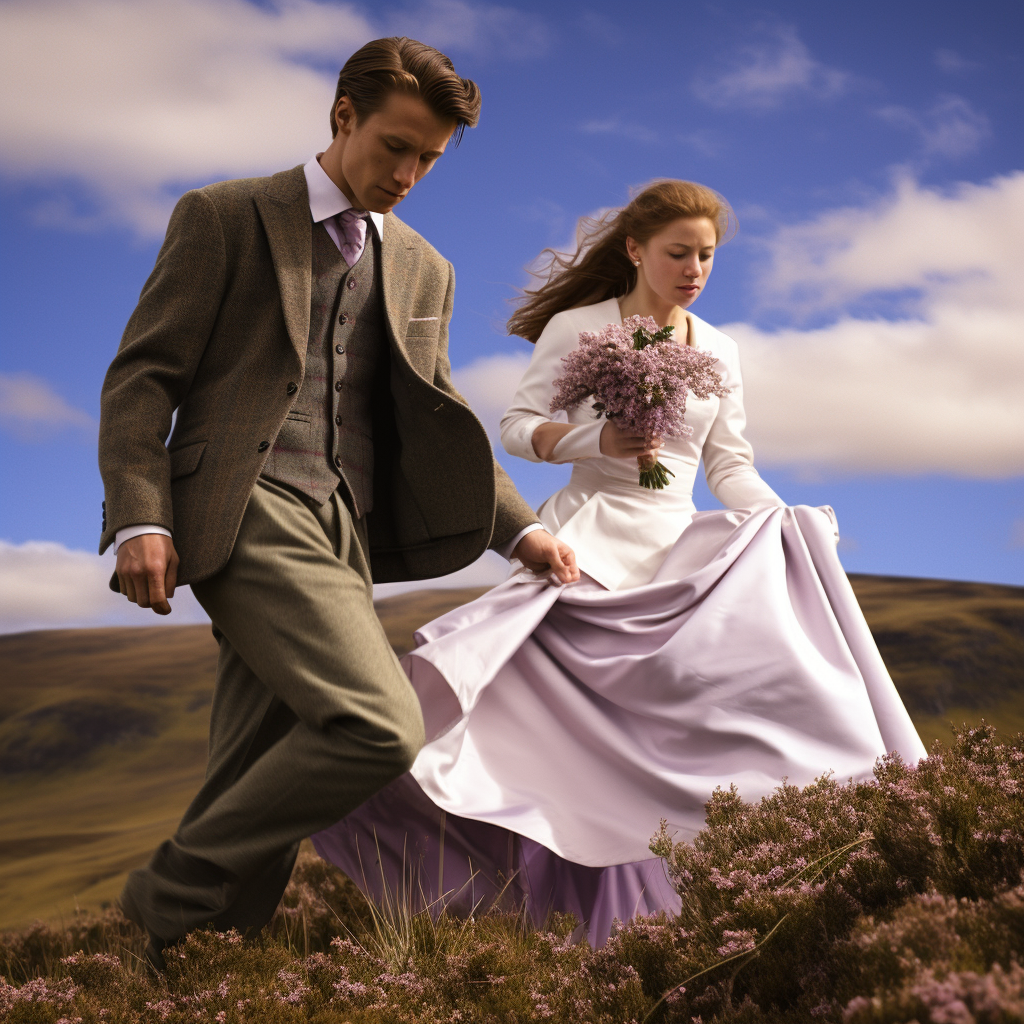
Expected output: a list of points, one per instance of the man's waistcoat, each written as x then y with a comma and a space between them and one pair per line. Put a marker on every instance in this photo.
327, 436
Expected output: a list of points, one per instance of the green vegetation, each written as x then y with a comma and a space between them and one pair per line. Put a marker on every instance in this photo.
889, 902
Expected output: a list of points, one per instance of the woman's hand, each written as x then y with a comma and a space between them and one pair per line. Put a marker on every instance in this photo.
624, 444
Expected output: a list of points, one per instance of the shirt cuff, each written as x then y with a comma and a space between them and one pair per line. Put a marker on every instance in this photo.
582, 442
505, 550
137, 531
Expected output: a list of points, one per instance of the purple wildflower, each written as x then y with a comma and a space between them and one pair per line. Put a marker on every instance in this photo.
641, 378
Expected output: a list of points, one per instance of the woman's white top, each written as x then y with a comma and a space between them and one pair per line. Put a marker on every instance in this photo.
620, 531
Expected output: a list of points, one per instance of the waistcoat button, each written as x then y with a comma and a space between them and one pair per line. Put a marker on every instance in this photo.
343, 319
337, 461
352, 283
337, 385
337, 419
262, 446
292, 387
340, 349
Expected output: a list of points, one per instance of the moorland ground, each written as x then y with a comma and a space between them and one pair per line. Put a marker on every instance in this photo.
103, 731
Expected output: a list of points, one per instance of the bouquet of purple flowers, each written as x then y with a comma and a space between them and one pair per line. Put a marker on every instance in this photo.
640, 377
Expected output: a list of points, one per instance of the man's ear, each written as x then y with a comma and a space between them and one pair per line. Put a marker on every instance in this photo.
345, 115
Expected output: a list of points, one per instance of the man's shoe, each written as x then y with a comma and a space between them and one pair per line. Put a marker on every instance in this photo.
155, 955
154, 952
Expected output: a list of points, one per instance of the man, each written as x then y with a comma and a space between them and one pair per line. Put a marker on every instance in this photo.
300, 331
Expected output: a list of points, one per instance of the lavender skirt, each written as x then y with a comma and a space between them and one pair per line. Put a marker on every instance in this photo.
564, 723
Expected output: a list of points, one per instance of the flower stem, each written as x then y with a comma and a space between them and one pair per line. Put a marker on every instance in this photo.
653, 475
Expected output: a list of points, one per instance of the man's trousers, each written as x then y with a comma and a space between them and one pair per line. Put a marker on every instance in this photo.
311, 715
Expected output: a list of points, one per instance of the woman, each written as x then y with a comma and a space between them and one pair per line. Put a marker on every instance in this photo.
698, 649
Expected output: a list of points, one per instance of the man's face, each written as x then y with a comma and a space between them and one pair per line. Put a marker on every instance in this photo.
384, 154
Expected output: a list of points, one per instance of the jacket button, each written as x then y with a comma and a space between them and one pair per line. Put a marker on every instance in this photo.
292, 387
262, 446
340, 349
337, 385
343, 319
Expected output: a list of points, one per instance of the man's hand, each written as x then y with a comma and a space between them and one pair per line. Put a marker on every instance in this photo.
147, 570
540, 552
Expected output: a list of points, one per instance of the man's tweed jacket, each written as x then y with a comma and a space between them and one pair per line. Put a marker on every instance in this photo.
220, 334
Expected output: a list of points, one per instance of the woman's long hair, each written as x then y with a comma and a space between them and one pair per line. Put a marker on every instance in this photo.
600, 268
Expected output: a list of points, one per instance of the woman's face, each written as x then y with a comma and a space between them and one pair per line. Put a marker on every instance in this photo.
675, 263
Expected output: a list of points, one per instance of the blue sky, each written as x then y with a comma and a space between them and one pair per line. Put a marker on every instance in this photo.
872, 152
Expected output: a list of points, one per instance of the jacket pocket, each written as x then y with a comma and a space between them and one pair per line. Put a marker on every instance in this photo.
186, 460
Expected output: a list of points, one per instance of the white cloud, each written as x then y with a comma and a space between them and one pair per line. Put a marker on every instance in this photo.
951, 62
489, 384
135, 98
951, 128
941, 389
767, 73
31, 409
44, 585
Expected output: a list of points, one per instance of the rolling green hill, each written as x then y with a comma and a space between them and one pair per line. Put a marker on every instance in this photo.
103, 731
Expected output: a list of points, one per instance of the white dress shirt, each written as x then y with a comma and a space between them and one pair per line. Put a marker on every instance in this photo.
326, 202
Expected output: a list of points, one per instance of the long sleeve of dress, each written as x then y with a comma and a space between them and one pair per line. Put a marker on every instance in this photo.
728, 456
531, 405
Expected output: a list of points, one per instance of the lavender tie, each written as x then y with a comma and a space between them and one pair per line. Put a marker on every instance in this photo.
353, 233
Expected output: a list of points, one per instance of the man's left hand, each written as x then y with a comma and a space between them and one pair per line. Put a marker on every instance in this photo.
540, 552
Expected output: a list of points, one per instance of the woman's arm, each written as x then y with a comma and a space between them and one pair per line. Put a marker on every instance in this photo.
531, 406
527, 429
728, 457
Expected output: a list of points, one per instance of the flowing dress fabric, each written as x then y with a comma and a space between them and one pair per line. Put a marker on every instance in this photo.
564, 722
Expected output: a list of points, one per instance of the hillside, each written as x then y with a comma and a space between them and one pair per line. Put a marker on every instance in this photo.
103, 731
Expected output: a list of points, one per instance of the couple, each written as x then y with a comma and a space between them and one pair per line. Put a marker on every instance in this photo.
299, 330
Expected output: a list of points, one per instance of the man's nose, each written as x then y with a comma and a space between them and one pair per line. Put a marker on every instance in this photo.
405, 174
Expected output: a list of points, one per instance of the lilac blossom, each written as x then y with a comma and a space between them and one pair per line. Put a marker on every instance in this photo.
641, 378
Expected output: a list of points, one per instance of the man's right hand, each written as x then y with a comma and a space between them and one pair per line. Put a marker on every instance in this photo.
147, 571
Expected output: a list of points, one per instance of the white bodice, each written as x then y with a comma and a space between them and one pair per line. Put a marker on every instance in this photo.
619, 530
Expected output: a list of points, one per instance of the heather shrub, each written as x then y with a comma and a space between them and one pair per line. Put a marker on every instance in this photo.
891, 901
782, 899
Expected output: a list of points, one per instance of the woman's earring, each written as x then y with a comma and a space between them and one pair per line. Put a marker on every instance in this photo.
636, 263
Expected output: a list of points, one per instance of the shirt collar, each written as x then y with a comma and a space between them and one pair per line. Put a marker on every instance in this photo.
327, 200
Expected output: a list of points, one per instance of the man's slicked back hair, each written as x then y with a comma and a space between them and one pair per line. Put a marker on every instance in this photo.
400, 64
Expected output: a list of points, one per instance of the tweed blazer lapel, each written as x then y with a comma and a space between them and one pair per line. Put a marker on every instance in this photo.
284, 209
399, 263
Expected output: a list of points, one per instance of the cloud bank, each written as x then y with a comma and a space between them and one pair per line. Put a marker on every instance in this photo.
133, 99
44, 585
936, 388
